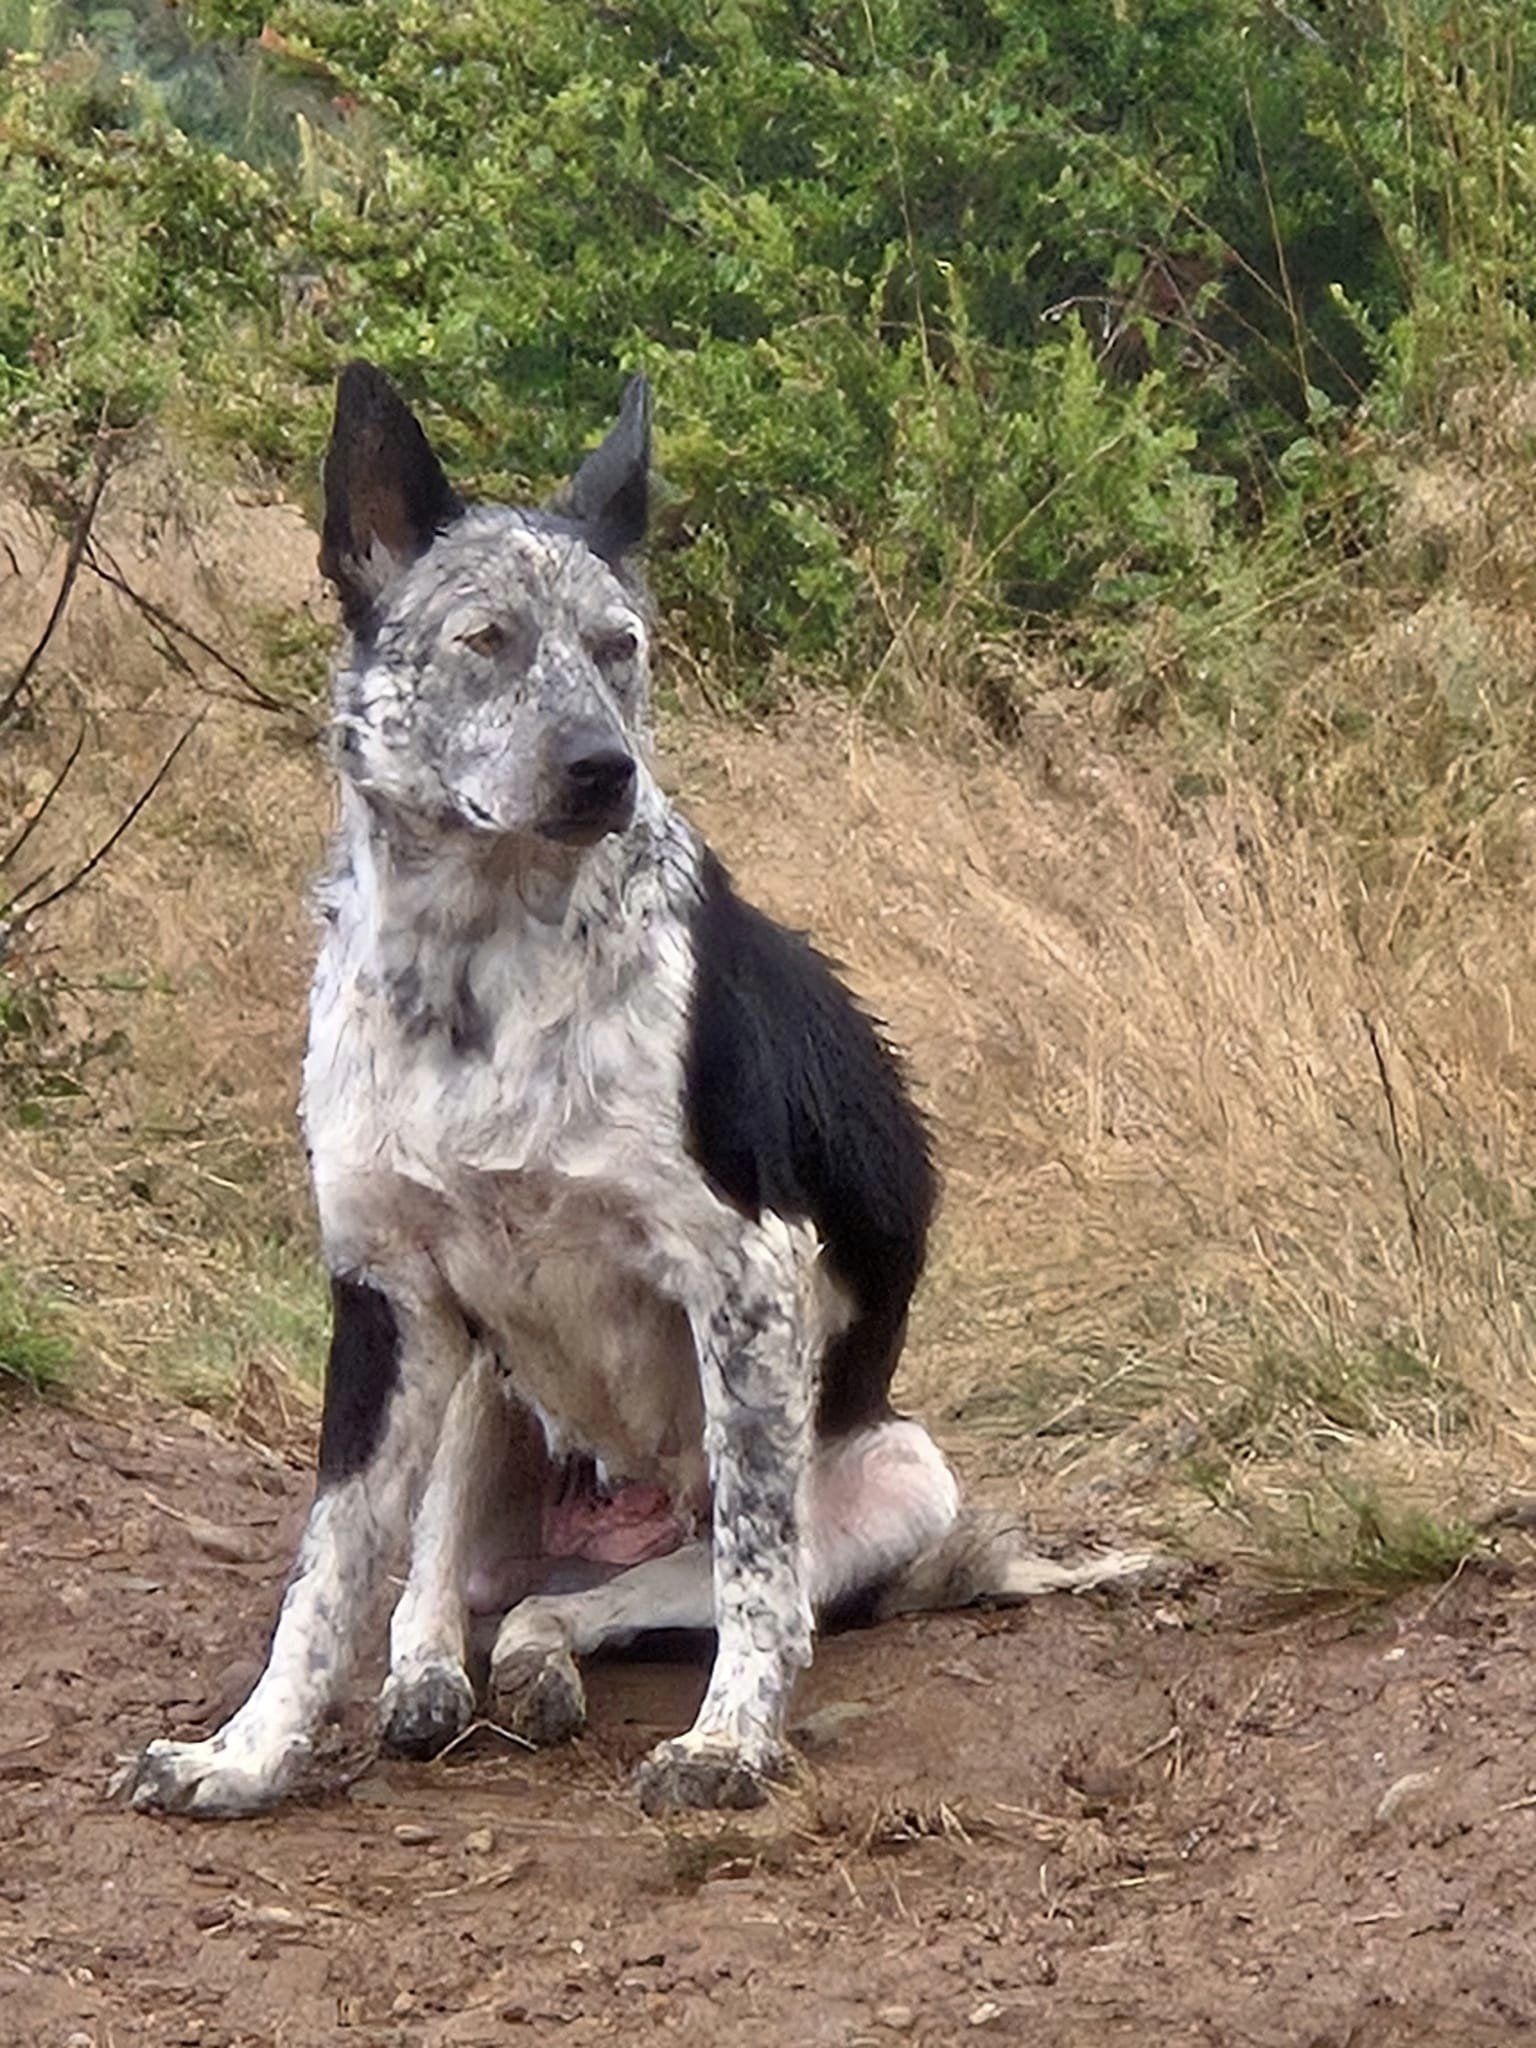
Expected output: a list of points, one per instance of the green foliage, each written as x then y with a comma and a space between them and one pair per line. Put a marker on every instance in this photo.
34, 1355
1347, 1537
44, 1068
278, 1321
978, 312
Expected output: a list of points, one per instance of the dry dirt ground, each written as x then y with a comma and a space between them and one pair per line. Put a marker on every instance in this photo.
1184, 1818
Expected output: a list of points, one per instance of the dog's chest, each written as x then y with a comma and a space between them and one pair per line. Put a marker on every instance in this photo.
526, 1054
506, 1121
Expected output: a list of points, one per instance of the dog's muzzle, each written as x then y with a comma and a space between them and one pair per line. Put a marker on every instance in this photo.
596, 785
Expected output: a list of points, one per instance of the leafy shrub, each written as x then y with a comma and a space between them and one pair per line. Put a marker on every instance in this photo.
34, 1354
979, 311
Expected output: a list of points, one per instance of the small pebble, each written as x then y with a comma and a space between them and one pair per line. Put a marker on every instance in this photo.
822, 1728
984, 2014
216, 1913
480, 1841
224, 1545
414, 1834
1403, 1792
899, 2018
274, 1916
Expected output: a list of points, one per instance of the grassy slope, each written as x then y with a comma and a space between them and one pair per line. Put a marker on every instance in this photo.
1235, 1097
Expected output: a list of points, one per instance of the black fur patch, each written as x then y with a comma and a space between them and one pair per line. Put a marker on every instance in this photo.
609, 496
361, 1374
469, 1028
461, 1017
795, 1104
404, 994
384, 489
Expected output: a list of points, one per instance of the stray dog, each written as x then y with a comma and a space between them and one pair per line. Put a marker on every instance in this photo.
622, 1197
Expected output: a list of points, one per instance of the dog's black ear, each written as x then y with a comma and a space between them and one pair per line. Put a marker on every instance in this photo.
385, 493
610, 495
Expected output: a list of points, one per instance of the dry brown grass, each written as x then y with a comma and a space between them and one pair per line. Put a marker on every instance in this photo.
1234, 1188
1240, 1230
165, 1203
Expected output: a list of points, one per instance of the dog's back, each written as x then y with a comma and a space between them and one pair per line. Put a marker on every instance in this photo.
795, 1104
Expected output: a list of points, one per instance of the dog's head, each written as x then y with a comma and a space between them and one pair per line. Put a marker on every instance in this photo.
498, 674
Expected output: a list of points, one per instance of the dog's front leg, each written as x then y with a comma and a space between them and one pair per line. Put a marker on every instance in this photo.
392, 1369
758, 1342
480, 1519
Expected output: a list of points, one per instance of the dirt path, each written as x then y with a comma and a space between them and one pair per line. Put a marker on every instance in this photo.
1165, 1823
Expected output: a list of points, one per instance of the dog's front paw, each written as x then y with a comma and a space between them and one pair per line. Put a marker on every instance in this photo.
423, 1709
208, 1780
537, 1693
697, 1772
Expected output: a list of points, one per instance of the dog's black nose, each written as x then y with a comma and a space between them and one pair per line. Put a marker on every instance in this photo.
602, 779
594, 789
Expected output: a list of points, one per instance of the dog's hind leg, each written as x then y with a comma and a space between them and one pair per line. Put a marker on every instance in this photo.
536, 1689
487, 1476
985, 1560
889, 1536
393, 1366
881, 1497
878, 1500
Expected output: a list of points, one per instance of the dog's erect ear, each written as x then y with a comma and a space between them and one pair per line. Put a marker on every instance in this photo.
385, 492
610, 495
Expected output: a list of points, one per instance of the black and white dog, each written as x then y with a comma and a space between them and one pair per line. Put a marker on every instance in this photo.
622, 1196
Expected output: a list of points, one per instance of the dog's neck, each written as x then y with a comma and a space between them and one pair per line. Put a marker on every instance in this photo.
446, 882
412, 888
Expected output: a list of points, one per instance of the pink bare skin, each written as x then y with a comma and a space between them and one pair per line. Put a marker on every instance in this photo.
587, 1531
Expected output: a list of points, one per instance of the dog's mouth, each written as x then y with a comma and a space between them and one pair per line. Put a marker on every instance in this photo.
580, 831
569, 829
585, 823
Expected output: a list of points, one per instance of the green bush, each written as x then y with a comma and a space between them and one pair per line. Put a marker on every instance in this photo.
987, 311
34, 1355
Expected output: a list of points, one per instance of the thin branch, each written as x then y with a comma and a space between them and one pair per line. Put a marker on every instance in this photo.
90, 866
157, 615
41, 812
79, 540
1399, 1153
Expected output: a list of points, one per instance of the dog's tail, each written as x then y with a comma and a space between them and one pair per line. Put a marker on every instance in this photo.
985, 1560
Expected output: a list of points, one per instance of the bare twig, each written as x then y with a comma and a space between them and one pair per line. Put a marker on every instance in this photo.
1399, 1150
41, 812
101, 564
475, 1728
79, 540
89, 867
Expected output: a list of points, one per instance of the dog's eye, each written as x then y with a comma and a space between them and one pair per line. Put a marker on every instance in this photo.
484, 640
614, 649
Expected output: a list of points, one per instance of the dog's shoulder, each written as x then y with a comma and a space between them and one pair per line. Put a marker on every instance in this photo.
795, 1103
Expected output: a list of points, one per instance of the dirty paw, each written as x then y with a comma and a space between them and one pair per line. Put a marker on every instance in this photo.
537, 1693
422, 1710
687, 1776
205, 1780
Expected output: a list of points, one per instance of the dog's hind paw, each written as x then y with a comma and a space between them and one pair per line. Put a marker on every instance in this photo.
691, 1774
537, 1693
206, 1780
423, 1709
